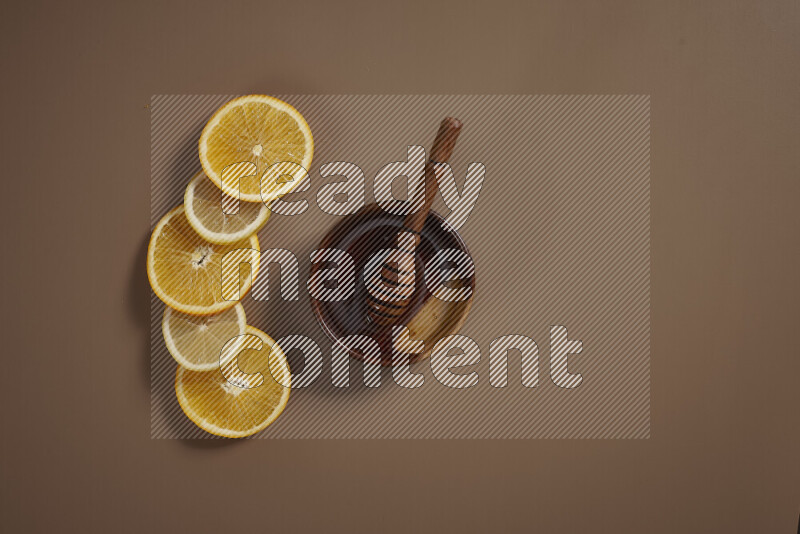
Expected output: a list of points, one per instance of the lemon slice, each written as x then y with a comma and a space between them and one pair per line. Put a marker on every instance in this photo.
246, 137
204, 210
185, 271
197, 341
243, 397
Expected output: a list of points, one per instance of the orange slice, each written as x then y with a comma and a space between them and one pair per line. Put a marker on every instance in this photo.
185, 271
204, 211
246, 137
196, 342
243, 397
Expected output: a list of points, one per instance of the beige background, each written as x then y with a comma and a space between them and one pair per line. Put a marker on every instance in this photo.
76, 452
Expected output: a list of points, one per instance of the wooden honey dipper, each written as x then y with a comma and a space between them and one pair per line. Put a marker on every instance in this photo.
389, 293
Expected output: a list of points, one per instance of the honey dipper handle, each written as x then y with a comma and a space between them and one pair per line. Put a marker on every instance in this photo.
391, 291
445, 141
443, 146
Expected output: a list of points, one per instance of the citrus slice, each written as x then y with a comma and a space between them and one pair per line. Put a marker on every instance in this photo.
185, 271
196, 342
242, 397
206, 211
246, 137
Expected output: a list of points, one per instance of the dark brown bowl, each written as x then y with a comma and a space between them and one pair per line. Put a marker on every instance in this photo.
427, 318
